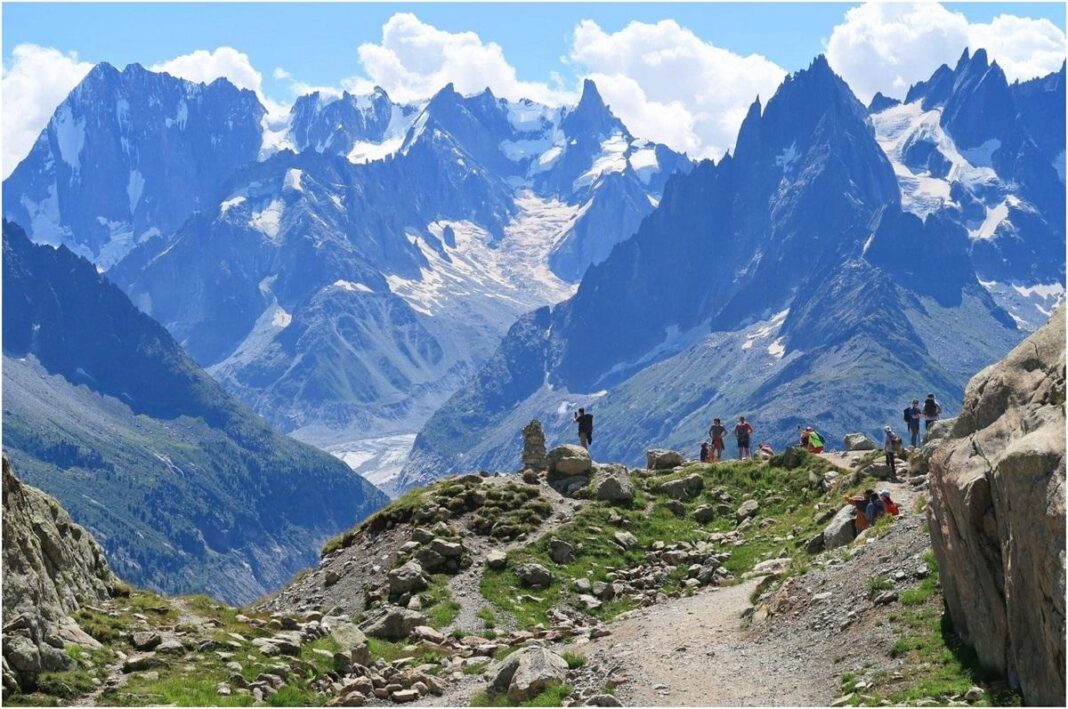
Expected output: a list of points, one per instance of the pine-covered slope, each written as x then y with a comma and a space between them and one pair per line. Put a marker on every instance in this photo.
186, 489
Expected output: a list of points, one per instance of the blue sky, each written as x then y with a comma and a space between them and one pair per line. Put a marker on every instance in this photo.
680, 74
317, 42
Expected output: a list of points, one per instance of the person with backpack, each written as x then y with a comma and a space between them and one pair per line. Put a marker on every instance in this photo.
742, 432
891, 507
704, 451
717, 432
931, 411
811, 440
890, 443
875, 508
912, 420
585, 428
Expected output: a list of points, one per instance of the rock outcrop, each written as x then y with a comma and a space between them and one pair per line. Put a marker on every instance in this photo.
51, 567
533, 456
997, 515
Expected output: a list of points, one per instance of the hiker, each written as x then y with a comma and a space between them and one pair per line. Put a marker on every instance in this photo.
742, 432
704, 451
585, 428
717, 432
860, 518
875, 508
811, 441
890, 444
891, 507
931, 411
766, 449
912, 420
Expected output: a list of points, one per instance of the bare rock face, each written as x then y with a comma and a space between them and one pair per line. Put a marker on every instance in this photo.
997, 515
51, 567
534, 447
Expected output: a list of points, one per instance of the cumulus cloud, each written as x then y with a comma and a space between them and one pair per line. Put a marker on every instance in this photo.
669, 85
204, 66
34, 83
888, 47
414, 60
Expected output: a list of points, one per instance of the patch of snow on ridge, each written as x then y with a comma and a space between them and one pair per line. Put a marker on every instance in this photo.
292, 180
994, 217
269, 220
612, 159
228, 204
787, 157
351, 286
644, 163
765, 329
1031, 305
70, 137
1058, 165
921, 192
777, 349
392, 139
379, 460
135, 185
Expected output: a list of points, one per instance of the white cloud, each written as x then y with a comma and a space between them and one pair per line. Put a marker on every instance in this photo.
669, 85
888, 47
414, 60
204, 66
33, 85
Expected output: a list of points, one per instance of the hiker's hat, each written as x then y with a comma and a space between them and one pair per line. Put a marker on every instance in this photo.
887, 428
884, 493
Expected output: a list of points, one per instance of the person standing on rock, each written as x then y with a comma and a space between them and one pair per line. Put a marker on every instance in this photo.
585, 428
717, 432
742, 432
890, 441
913, 414
931, 411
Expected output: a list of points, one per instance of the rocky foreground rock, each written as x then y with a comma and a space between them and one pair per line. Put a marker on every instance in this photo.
997, 515
51, 567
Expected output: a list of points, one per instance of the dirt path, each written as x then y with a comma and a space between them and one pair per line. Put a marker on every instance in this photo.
694, 652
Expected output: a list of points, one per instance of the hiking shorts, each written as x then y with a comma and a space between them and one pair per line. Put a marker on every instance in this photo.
743, 442
584, 439
717, 443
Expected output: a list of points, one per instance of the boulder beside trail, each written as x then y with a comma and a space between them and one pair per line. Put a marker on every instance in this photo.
858, 442
406, 578
527, 672
567, 461
393, 623
840, 530
612, 484
661, 459
683, 488
534, 575
997, 515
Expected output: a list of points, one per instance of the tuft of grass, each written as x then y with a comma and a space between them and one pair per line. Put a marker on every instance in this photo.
442, 610
488, 617
574, 660
879, 584
550, 697
476, 668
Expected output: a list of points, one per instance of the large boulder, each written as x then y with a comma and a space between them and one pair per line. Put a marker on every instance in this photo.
661, 459
393, 623
840, 530
567, 461
406, 578
997, 515
534, 575
612, 484
682, 488
527, 672
858, 442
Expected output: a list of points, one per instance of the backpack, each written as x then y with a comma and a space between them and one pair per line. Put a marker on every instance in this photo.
814, 440
908, 417
931, 408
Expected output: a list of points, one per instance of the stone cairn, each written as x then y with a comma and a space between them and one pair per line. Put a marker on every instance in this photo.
534, 447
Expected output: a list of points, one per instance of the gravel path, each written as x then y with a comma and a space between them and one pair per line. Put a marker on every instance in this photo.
695, 652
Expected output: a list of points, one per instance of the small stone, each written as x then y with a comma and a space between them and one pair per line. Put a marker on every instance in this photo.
404, 696
496, 560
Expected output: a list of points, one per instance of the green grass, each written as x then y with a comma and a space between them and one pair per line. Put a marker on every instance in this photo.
574, 660
476, 668
488, 617
879, 584
787, 498
551, 697
442, 610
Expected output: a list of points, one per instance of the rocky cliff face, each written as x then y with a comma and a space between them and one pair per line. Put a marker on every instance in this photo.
51, 567
997, 515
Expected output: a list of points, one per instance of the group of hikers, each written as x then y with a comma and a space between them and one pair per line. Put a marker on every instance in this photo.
809, 439
870, 506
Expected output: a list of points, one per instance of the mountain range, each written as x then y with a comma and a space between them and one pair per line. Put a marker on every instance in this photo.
186, 489
457, 266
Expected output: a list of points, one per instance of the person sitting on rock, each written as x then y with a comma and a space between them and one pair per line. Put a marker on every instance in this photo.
766, 449
704, 451
875, 508
717, 432
860, 518
891, 507
811, 440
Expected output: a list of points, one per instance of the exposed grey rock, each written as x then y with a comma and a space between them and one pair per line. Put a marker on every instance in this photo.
612, 484
406, 578
527, 672
496, 559
568, 460
661, 459
748, 508
625, 540
997, 515
704, 514
393, 623
561, 552
840, 530
683, 488
858, 442
534, 575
